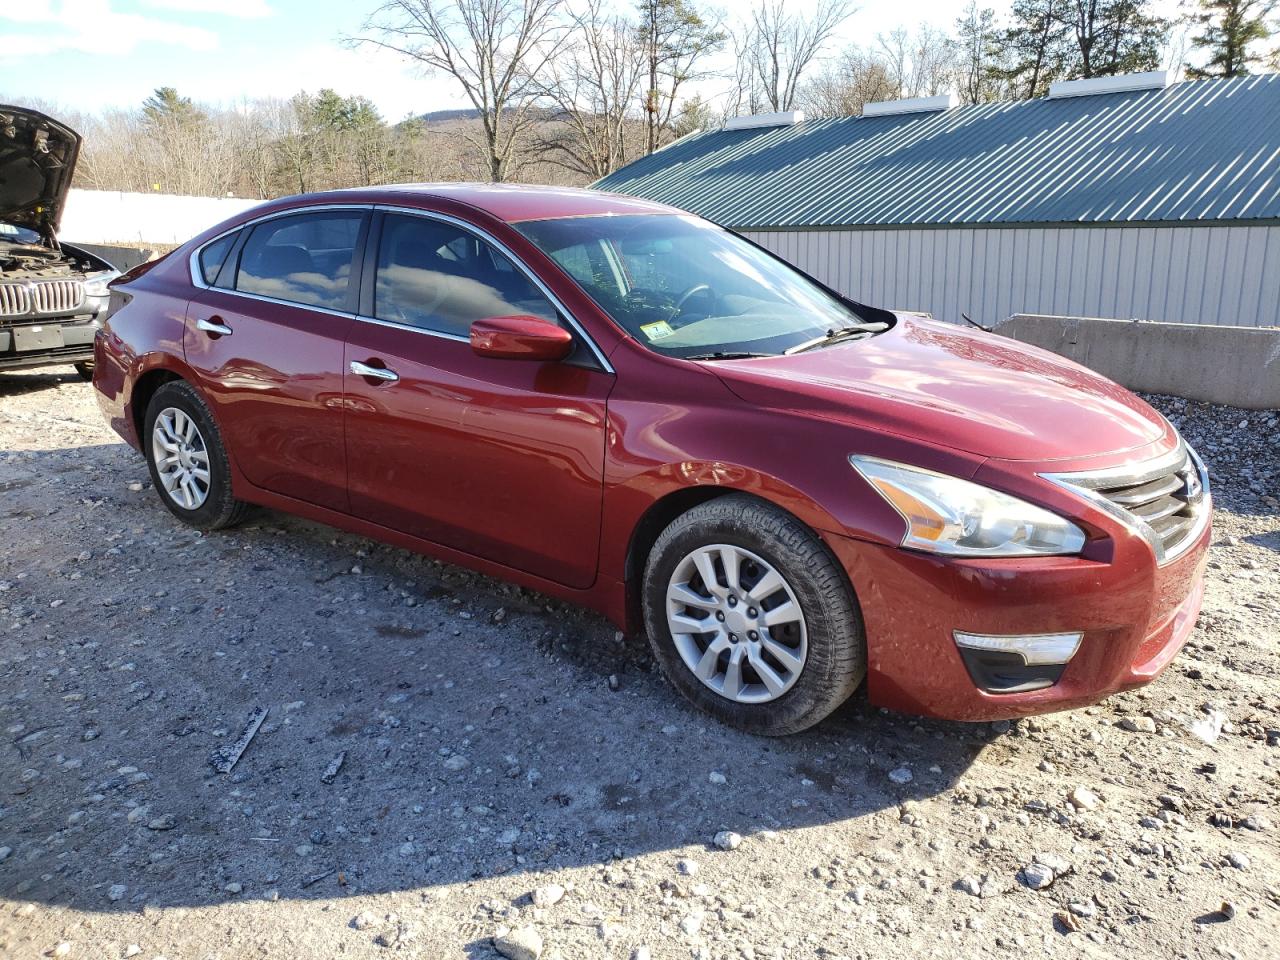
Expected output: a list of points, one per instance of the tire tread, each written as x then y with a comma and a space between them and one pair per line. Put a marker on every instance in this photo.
221, 509
837, 649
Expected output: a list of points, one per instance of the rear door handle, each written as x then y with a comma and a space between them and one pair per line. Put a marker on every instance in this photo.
377, 373
215, 326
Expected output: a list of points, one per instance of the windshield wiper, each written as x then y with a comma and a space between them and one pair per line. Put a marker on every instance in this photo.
727, 355
836, 335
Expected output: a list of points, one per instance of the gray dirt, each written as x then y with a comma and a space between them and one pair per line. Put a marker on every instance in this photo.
499, 749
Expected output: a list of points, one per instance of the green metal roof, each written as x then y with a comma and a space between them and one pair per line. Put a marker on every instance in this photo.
1194, 151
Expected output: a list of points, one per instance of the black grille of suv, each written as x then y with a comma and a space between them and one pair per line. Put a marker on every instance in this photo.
1164, 499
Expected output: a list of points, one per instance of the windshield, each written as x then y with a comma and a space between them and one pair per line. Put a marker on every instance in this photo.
687, 288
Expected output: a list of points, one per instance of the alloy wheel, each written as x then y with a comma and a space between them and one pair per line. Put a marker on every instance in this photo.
181, 458
736, 623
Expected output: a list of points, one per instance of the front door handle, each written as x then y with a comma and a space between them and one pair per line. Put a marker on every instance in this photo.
377, 373
215, 326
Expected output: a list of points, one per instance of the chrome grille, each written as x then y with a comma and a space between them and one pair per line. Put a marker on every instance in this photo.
15, 299
56, 296
1166, 500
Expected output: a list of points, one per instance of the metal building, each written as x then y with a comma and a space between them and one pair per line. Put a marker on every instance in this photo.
1122, 197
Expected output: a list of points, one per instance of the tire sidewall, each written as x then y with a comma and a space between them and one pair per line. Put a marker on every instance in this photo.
211, 513
829, 623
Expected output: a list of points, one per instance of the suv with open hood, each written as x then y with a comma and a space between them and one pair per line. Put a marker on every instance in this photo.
51, 293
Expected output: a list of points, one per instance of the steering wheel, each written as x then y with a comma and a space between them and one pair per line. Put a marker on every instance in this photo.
684, 297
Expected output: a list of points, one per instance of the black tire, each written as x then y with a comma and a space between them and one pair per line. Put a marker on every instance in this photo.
85, 369
836, 660
219, 509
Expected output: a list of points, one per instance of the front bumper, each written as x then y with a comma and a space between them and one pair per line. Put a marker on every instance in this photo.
1134, 613
50, 340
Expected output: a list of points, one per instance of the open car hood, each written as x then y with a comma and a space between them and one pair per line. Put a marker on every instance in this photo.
37, 159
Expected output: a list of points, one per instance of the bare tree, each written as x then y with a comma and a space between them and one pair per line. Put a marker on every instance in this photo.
779, 46
492, 48
923, 64
746, 96
591, 89
841, 89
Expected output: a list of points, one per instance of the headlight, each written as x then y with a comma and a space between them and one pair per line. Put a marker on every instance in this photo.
95, 284
952, 516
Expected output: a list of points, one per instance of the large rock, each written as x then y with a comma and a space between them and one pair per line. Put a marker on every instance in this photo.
524, 943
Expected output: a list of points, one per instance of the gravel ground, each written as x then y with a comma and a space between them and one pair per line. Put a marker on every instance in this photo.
513, 764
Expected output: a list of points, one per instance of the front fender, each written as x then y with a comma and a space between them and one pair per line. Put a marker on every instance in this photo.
795, 461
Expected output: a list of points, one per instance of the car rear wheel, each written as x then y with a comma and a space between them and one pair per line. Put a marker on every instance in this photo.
751, 617
187, 460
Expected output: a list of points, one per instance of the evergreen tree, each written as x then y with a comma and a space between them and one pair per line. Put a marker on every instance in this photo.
675, 37
978, 53
165, 107
1034, 50
1229, 32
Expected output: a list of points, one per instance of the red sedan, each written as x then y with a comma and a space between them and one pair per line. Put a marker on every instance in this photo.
619, 404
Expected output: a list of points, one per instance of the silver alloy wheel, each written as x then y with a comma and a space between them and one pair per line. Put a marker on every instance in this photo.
181, 458
736, 623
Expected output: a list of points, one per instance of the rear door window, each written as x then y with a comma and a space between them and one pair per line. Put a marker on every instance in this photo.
438, 277
304, 258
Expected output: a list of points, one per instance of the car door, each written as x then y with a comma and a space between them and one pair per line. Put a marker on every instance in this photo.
501, 459
266, 335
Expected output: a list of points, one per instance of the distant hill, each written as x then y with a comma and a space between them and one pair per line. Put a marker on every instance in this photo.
470, 113
442, 116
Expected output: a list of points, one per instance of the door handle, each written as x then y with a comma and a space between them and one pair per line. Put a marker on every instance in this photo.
214, 325
377, 373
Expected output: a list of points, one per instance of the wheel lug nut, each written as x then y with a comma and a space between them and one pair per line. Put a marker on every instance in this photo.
751, 611
733, 601
733, 638
753, 635
720, 616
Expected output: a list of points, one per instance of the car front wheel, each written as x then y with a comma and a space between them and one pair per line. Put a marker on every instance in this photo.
187, 460
751, 617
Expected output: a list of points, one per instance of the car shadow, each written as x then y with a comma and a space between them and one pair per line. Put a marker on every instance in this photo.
425, 725
14, 382
1270, 540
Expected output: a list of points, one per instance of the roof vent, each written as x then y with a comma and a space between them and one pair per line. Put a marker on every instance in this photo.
885, 108
1125, 82
785, 119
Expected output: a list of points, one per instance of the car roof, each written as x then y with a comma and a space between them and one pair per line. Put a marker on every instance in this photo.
516, 202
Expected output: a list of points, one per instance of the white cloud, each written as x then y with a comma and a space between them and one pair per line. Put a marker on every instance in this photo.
245, 9
91, 26
396, 88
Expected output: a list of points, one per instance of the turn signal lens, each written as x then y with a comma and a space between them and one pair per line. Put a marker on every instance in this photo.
953, 516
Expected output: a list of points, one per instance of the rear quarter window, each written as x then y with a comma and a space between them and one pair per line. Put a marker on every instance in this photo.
214, 255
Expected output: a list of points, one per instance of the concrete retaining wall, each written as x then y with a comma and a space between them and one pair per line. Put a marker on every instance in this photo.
1239, 366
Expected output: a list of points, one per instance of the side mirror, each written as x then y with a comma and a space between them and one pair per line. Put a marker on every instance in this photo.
520, 338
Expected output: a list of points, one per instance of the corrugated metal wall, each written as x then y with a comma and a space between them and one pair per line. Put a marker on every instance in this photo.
1194, 274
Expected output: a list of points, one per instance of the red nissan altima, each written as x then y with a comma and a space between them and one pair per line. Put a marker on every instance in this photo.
620, 404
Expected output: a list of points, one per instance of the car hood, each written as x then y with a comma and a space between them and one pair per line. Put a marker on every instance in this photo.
949, 386
37, 159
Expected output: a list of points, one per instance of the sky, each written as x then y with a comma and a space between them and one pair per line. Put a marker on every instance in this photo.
86, 55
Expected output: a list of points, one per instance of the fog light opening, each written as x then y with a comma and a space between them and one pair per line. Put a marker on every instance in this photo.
1016, 663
